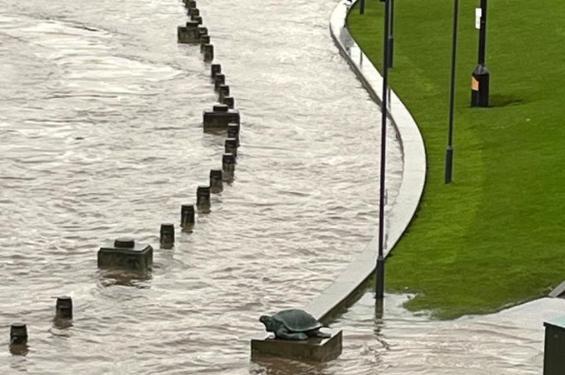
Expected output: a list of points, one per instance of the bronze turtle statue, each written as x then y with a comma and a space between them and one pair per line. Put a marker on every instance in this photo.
293, 324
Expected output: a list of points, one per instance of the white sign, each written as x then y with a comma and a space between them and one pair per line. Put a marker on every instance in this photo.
478, 15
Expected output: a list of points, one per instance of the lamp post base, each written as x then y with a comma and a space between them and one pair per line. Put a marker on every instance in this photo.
480, 86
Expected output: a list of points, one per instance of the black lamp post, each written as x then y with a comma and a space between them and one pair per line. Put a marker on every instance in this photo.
390, 34
380, 269
361, 6
449, 149
481, 76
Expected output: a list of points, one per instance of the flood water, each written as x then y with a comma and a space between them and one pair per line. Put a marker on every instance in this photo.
101, 136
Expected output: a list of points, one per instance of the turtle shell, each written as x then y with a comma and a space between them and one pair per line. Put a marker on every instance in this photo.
297, 320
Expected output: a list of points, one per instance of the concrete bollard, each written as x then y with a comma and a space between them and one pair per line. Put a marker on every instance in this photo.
229, 101
202, 30
208, 50
203, 198
187, 216
204, 39
228, 166
223, 91
230, 146
219, 79
126, 254
215, 69
193, 12
196, 19
64, 308
216, 184
18, 334
233, 132
167, 236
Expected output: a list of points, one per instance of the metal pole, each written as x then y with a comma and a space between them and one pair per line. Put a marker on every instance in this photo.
483, 33
391, 35
380, 270
362, 7
480, 80
449, 150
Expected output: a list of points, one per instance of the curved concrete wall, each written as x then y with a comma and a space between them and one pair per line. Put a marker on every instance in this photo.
351, 282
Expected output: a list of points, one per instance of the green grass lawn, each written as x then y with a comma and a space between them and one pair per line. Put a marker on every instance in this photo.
494, 237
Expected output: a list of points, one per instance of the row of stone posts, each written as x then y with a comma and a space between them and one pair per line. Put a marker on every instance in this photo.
224, 119
125, 253
62, 319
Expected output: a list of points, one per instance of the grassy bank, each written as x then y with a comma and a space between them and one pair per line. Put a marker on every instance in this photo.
493, 237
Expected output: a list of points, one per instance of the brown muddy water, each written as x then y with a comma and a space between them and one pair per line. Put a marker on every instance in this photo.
100, 137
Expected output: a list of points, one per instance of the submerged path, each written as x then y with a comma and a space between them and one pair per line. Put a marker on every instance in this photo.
100, 121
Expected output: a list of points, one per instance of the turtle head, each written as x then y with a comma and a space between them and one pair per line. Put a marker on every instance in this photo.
268, 322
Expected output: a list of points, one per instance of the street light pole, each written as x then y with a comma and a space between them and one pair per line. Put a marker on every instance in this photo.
449, 149
481, 76
391, 35
380, 269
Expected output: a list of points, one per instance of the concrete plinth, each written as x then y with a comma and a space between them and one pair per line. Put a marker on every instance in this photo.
313, 349
217, 119
126, 254
188, 35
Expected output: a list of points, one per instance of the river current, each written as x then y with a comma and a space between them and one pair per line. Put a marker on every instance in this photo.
101, 137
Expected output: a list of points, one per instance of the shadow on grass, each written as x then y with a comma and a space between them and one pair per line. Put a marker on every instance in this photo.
504, 101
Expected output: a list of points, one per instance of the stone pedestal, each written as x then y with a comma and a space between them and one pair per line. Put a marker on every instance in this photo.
220, 119
126, 254
188, 34
313, 349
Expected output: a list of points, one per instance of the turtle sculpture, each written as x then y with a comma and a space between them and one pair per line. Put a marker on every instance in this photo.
293, 324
